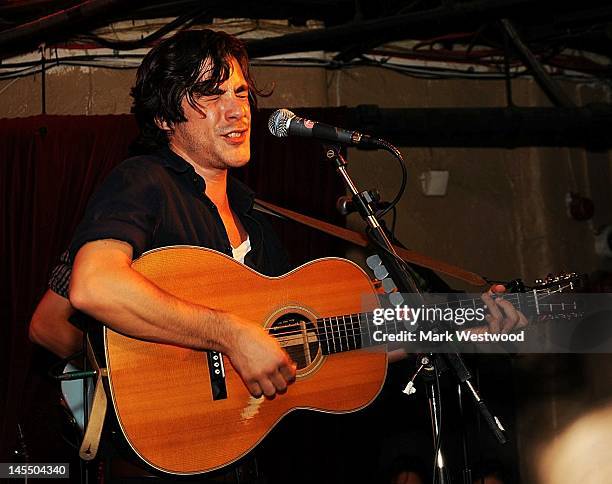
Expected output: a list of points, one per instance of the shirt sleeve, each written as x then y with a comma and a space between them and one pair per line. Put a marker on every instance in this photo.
60, 276
125, 207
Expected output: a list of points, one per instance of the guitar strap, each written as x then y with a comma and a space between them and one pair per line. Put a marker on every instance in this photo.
95, 422
362, 241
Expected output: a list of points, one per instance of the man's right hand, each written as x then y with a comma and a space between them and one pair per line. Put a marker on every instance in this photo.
263, 365
105, 286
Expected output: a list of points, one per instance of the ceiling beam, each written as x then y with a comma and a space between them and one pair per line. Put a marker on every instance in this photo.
460, 16
26, 37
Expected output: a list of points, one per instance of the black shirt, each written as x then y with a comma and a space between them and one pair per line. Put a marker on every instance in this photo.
158, 200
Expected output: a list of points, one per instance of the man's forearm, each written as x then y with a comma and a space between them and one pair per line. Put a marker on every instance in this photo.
51, 329
105, 286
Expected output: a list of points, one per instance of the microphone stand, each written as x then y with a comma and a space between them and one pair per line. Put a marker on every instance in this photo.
435, 363
366, 207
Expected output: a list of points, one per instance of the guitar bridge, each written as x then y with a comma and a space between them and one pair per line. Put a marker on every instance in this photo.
217, 375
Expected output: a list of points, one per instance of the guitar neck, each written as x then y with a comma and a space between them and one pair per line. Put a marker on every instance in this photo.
349, 332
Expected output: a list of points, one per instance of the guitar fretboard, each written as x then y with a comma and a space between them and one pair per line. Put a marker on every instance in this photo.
355, 331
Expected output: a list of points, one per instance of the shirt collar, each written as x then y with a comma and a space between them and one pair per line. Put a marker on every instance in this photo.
241, 196
173, 161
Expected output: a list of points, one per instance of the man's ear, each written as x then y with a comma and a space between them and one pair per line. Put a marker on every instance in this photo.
163, 125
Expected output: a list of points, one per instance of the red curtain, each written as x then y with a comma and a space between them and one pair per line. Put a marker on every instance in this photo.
49, 167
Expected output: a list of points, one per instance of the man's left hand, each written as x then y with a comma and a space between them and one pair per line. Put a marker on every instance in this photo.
503, 317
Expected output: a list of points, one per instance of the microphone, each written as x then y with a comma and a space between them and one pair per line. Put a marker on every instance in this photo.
283, 123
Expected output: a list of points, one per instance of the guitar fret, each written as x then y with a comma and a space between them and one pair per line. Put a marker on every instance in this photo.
361, 333
348, 337
326, 336
353, 327
332, 333
351, 335
340, 332
343, 335
368, 328
346, 333
537, 303
330, 339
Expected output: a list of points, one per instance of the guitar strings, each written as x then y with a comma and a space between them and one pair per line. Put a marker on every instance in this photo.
437, 306
298, 330
337, 330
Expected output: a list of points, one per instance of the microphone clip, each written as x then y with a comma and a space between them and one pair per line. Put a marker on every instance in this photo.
367, 202
345, 204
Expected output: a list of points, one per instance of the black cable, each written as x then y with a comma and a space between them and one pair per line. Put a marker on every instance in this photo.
393, 220
28, 71
59, 365
395, 152
413, 71
182, 20
411, 278
508, 79
92, 64
436, 73
433, 72
59, 60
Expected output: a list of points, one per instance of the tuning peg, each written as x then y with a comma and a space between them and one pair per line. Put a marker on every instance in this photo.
388, 285
373, 261
381, 272
396, 298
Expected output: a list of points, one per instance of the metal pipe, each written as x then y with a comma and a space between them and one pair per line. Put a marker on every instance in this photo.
510, 127
548, 85
22, 37
387, 29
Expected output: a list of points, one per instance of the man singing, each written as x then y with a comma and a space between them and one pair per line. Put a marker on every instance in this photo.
192, 100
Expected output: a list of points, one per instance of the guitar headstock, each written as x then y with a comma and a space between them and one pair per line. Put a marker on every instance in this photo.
565, 282
551, 298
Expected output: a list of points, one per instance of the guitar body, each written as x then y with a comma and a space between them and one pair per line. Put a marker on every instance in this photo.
163, 396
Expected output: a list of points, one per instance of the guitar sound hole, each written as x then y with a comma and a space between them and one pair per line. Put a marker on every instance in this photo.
298, 337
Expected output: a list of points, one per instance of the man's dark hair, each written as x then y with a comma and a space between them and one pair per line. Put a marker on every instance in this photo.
171, 71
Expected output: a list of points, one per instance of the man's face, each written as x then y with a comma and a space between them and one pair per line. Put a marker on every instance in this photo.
220, 137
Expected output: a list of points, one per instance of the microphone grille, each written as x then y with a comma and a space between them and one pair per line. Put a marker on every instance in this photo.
278, 123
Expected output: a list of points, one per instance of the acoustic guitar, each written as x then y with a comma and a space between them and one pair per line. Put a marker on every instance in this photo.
187, 412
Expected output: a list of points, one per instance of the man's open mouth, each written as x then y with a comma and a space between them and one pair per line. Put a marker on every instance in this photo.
234, 134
